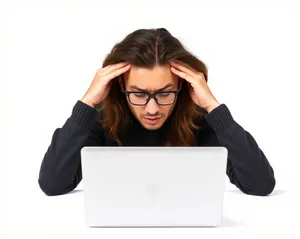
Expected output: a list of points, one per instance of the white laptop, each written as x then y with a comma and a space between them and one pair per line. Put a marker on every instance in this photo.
153, 186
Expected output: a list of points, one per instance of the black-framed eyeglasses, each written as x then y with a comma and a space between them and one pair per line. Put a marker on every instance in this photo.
142, 98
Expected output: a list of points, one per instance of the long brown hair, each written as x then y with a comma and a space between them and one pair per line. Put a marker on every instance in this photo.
148, 48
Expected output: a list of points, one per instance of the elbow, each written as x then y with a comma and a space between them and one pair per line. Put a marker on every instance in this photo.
260, 189
51, 189
47, 188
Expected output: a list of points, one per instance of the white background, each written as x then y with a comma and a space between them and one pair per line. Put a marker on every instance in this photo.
50, 51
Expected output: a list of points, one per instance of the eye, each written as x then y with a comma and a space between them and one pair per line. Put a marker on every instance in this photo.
164, 94
139, 94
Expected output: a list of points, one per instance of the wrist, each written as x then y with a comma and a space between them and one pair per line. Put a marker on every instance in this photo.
88, 102
212, 106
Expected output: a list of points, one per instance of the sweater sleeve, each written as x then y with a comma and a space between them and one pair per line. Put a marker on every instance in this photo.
60, 170
247, 166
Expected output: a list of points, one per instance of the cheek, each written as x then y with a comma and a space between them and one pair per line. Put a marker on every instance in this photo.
136, 110
166, 110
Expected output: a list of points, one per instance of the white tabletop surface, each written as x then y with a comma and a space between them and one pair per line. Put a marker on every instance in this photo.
31, 213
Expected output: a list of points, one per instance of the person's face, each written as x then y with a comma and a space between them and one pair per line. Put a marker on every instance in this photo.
152, 115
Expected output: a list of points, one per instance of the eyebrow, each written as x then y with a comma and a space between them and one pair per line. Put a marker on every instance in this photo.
140, 89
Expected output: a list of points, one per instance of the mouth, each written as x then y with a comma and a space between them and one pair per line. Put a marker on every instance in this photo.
152, 118
152, 121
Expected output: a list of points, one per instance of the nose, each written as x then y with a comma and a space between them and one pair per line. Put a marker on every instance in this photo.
152, 107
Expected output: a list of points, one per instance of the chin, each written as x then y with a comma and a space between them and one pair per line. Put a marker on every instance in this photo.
151, 127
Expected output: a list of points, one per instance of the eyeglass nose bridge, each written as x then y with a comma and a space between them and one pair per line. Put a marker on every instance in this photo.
152, 96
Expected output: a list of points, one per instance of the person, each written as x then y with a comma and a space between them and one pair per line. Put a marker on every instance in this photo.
151, 91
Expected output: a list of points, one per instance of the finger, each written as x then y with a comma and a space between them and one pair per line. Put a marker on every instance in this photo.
182, 67
113, 74
112, 67
183, 75
184, 64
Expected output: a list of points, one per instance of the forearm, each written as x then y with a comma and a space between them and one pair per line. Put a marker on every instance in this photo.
248, 168
60, 170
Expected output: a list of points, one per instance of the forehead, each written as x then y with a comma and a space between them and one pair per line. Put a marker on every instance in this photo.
151, 79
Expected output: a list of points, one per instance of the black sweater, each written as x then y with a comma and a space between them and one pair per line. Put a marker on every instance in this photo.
60, 172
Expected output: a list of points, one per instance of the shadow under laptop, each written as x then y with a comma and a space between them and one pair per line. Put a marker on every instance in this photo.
226, 222
274, 193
